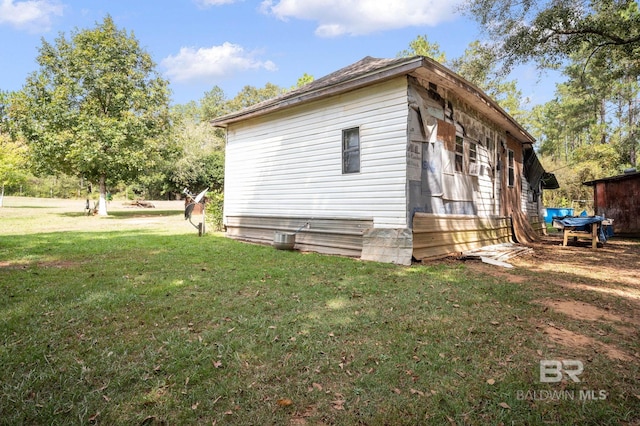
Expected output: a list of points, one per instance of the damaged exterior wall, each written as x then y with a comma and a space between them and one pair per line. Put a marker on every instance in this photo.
433, 176
465, 176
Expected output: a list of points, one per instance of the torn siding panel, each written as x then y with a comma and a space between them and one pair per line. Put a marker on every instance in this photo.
445, 184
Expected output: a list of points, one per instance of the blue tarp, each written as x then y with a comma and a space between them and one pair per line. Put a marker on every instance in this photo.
551, 212
585, 224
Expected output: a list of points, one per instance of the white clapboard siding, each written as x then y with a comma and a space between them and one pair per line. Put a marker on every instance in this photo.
289, 163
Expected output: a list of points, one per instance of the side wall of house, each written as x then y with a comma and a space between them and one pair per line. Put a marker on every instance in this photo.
453, 174
284, 170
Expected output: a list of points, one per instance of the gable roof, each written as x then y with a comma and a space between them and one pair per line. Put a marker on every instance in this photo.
370, 70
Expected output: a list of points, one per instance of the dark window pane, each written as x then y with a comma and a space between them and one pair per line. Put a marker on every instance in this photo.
351, 150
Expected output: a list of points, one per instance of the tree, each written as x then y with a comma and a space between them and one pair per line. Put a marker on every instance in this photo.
201, 160
250, 95
479, 65
95, 108
551, 31
303, 80
421, 46
13, 152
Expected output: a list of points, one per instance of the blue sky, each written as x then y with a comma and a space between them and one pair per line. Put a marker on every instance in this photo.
199, 44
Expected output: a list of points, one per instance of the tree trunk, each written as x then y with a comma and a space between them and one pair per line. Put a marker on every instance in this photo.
102, 205
2, 196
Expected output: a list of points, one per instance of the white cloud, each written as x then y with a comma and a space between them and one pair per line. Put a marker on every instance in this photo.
357, 17
31, 15
212, 62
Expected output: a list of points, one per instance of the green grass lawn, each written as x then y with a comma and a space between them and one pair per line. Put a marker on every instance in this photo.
134, 319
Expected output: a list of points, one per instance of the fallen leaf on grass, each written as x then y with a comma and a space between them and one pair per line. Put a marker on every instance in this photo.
338, 404
217, 364
317, 386
195, 406
415, 391
491, 381
505, 405
94, 417
284, 402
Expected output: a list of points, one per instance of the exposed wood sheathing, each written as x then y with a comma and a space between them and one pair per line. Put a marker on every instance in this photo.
511, 196
440, 235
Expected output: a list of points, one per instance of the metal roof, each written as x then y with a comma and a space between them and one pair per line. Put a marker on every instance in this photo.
628, 175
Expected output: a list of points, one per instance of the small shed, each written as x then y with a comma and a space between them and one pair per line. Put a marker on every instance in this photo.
618, 198
385, 160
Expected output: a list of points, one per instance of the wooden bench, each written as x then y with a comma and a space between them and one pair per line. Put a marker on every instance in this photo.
569, 231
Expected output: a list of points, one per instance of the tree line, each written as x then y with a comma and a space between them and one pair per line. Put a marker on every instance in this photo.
97, 112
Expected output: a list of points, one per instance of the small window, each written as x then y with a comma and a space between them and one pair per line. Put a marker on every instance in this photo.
511, 168
351, 150
474, 168
459, 154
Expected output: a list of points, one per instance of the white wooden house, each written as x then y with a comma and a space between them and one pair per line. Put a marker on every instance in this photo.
386, 159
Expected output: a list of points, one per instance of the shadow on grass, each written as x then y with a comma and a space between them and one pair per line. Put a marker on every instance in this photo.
133, 325
131, 214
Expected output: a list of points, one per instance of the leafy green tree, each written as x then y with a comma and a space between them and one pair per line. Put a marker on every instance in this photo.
550, 31
13, 151
303, 80
13, 163
479, 65
95, 108
250, 95
201, 160
421, 46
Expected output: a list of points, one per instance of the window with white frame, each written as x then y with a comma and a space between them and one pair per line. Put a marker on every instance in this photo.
459, 152
351, 150
474, 168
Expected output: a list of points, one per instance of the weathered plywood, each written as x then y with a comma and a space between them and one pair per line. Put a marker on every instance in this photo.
436, 235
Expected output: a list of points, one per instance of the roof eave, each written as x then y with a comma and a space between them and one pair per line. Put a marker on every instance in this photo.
410, 66
386, 73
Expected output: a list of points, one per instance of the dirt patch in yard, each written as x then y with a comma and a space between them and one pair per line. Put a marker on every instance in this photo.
583, 311
581, 342
594, 294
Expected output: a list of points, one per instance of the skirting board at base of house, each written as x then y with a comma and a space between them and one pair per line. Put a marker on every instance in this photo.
388, 245
341, 236
432, 235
